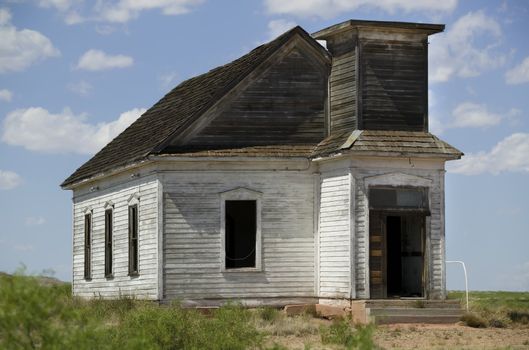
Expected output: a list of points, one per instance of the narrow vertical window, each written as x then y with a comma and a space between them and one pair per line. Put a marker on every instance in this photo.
108, 242
241, 224
133, 240
88, 246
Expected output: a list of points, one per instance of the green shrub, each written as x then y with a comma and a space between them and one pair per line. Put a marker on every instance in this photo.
342, 333
519, 316
473, 320
268, 314
33, 315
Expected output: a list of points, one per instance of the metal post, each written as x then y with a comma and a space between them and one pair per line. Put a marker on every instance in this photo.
466, 279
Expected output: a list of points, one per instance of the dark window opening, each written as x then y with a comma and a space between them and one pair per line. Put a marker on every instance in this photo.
241, 226
108, 243
398, 198
133, 240
87, 246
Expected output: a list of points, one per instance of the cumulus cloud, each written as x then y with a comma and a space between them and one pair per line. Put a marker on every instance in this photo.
509, 155
36, 129
9, 180
81, 88
471, 115
96, 60
277, 27
19, 49
123, 11
467, 49
168, 80
331, 8
6, 95
518, 74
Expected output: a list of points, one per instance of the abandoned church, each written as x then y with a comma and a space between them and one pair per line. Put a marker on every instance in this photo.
302, 172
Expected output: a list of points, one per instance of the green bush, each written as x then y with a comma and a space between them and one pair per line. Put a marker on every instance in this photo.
342, 333
473, 320
519, 316
268, 314
34, 316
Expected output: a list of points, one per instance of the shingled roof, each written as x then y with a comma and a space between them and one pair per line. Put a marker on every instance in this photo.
397, 143
176, 110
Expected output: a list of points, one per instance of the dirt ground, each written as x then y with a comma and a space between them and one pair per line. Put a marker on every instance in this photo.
422, 336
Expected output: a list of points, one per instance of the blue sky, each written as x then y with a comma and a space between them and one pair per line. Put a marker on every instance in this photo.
75, 73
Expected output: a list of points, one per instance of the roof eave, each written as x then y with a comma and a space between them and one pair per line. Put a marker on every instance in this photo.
426, 28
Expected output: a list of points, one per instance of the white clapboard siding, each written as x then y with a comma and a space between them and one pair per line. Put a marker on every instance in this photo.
146, 284
434, 228
334, 236
192, 242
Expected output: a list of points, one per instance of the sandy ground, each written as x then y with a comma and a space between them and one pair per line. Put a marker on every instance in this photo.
421, 336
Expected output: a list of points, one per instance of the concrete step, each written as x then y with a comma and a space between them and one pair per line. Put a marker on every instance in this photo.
438, 319
415, 312
413, 303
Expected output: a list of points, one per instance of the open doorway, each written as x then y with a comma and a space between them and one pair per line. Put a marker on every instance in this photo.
405, 255
397, 226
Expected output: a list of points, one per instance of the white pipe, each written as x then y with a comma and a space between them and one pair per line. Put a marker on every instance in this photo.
466, 279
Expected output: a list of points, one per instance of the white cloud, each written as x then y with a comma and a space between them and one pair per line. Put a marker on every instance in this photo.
331, 8
277, 27
472, 115
123, 11
35, 221
467, 49
21, 48
81, 88
6, 95
9, 180
36, 129
518, 74
96, 60
509, 155
167, 80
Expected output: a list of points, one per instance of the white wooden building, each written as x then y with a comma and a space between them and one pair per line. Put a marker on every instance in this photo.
296, 173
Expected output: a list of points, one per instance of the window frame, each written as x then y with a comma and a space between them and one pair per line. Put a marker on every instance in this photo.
109, 241
246, 195
133, 256
87, 244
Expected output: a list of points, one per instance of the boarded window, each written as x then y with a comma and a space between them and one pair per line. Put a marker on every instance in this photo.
108, 242
398, 198
240, 240
133, 240
88, 246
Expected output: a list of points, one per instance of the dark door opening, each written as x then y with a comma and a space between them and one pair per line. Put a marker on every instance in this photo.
405, 258
397, 262
394, 263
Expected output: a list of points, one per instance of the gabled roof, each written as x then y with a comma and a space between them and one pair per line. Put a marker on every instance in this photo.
176, 110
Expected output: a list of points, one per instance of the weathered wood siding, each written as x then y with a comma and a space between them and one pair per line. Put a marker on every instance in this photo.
284, 105
435, 255
393, 85
335, 236
343, 83
146, 284
192, 242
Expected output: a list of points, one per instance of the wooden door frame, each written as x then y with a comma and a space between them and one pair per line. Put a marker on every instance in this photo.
384, 213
